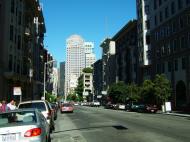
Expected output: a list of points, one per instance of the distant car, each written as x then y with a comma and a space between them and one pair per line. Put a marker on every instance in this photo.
24, 125
151, 108
67, 107
96, 104
138, 107
44, 107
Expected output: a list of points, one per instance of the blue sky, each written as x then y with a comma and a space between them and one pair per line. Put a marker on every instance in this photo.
94, 20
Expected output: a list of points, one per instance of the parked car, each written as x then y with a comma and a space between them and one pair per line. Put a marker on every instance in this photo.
138, 107
24, 125
67, 107
151, 108
109, 106
96, 104
44, 107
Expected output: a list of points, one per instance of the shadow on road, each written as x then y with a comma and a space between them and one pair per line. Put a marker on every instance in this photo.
117, 127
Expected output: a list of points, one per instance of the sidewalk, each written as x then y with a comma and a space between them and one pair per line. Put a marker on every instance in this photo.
175, 113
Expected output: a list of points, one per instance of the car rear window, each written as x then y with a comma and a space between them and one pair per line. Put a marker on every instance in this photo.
21, 117
39, 105
67, 105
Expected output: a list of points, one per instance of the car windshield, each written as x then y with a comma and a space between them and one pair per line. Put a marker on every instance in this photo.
67, 105
38, 105
20, 117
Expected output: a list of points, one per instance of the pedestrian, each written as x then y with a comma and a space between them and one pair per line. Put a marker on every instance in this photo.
4, 107
11, 105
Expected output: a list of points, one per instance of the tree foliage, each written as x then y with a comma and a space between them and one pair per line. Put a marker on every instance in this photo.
133, 92
162, 87
117, 92
148, 92
87, 70
50, 97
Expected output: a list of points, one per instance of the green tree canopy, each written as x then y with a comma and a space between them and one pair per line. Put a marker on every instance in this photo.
117, 92
87, 70
133, 92
162, 87
148, 92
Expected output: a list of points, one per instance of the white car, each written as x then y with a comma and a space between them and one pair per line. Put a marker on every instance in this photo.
44, 107
24, 125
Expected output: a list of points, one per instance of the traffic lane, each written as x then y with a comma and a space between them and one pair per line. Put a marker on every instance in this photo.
143, 127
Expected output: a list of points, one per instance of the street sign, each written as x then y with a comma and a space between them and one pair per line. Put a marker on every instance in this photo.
99, 96
17, 91
104, 92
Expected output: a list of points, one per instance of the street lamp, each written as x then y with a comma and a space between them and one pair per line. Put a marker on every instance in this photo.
48, 62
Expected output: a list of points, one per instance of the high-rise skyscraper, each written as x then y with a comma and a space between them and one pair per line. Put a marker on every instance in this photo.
90, 57
75, 62
62, 78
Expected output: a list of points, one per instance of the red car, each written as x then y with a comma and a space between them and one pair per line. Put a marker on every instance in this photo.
66, 107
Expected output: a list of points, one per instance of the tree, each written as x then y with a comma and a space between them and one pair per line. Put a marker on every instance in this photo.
50, 97
162, 87
148, 92
118, 92
133, 92
80, 87
87, 70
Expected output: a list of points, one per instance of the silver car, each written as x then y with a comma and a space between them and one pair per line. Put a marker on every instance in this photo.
24, 125
44, 107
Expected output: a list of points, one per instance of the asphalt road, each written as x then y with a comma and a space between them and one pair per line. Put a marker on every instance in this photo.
88, 124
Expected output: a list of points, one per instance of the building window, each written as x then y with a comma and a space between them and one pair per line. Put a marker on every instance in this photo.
180, 4
173, 7
166, 12
160, 2
183, 62
169, 66
11, 32
155, 20
181, 22
147, 9
147, 39
10, 62
176, 65
161, 16
19, 42
158, 68
147, 24
187, 2
163, 67
155, 4
182, 42
20, 18
12, 6
175, 45
188, 19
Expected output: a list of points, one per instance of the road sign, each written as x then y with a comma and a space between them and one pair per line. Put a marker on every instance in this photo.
17, 91
99, 96
104, 92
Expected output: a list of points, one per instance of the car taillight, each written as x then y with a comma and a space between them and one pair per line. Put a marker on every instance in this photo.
33, 132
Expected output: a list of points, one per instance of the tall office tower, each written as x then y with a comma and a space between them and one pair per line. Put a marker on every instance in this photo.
144, 48
62, 78
75, 62
90, 57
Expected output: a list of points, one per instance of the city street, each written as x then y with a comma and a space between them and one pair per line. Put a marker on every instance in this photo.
88, 124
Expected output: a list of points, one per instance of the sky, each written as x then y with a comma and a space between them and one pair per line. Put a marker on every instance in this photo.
93, 20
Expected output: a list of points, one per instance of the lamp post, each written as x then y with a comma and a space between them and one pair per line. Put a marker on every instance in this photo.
48, 62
